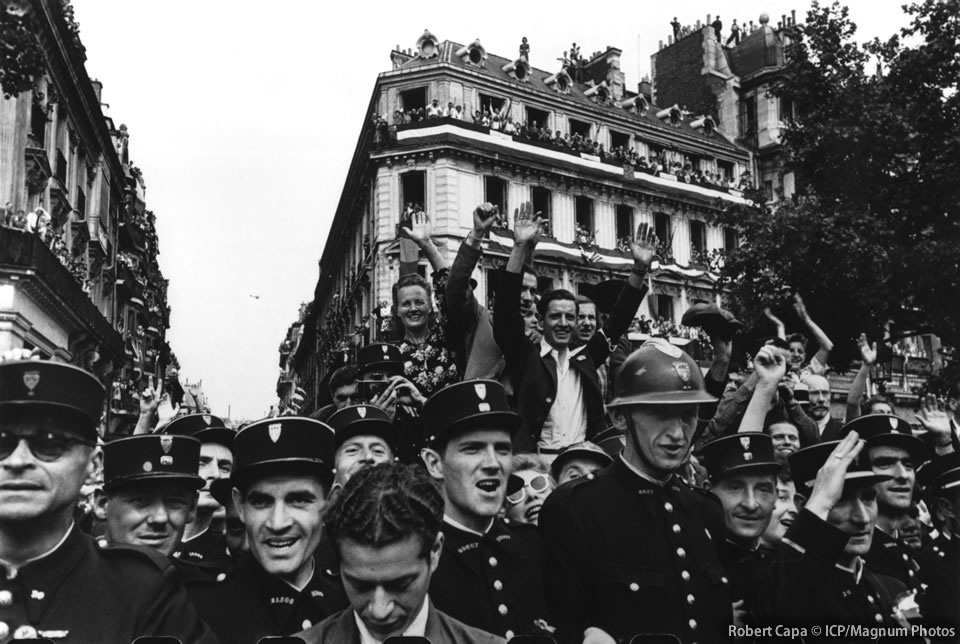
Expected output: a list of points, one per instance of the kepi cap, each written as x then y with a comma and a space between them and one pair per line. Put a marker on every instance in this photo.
44, 384
361, 420
885, 429
806, 462
206, 428
742, 453
585, 449
151, 457
469, 404
278, 444
380, 356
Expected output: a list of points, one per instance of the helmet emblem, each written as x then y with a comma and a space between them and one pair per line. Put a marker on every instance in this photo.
481, 390
683, 370
166, 443
641, 371
362, 412
31, 379
274, 431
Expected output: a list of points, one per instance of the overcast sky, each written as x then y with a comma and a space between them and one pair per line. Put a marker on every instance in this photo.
244, 115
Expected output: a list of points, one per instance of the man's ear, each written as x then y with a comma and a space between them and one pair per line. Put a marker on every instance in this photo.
237, 499
435, 551
100, 504
94, 467
434, 462
619, 419
943, 509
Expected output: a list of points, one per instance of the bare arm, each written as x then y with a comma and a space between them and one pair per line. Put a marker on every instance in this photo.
420, 232
770, 367
825, 344
859, 386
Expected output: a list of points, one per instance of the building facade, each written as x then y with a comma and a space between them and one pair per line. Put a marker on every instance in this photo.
593, 198
79, 278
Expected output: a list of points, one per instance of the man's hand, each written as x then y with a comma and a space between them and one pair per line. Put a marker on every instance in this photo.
483, 217
740, 613
401, 385
933, 416
867, 351
722, 345
526, 225
166, 411
594, 635
828, 488
420, 229
643, 248
20, 354
150, 399
777, 322
800, 308
769, 365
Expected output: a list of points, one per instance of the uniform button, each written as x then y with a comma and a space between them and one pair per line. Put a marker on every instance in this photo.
25, 632
668, 506
693, 624
6, 598
4, 630
676, 528
509, 635
870, 598
691, 599
878, 618
102, 543
221, 576
634, 586
725, 580
498, 585
685, 575
306, 624
502, 609
681, 553
549, 399
910, 572
906, 557
492, 561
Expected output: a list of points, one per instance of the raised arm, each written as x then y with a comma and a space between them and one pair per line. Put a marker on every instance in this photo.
462, 305
859, 386
770, 367
420, 231
825, 344
508, 326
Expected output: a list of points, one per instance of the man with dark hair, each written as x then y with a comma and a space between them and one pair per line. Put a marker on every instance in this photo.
363, 436
586, 318
149, 491
386, 526
940, 561
343, 392
631, 550
280, 482
556, 388
54, 580
490, 574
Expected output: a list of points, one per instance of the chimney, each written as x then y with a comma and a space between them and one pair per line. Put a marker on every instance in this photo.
97, 88
645, 88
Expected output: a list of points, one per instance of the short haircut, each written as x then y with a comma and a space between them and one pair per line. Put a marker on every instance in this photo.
797, 337
876, 400
583, 299
346, 375
528, 268
550, 296
526, 461
387, 503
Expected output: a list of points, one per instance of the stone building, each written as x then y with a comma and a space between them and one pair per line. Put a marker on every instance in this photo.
594, 199
79, 278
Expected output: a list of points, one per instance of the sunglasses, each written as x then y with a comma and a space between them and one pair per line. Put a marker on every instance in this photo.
45, 446
517, 487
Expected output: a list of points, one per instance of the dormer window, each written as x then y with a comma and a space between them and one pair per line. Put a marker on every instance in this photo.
671, 114
637, 104
427, 45
518, 69
473, 54
560, 81
599, 93
705, 123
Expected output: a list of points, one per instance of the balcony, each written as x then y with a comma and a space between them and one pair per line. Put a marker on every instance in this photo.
38, 168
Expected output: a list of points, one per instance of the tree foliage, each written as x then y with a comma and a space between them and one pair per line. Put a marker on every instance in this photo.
873, 233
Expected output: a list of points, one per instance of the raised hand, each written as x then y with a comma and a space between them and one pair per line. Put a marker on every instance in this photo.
20, 354
933, 416
799, 307
420, 229
770, 365
777, 322
484, 217
526, 225
150, 398
644, 247
867, 351
828, 487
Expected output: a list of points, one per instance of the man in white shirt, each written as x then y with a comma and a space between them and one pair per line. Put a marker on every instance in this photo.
386, 527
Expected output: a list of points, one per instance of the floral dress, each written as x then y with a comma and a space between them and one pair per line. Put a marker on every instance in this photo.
431, 366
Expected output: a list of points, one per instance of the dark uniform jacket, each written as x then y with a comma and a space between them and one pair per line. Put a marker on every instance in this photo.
535, 376
744, 567
630, 556
806, 587
86, 594
441, 629
940, 576
247, 603
893, 558
207, 550
492, 582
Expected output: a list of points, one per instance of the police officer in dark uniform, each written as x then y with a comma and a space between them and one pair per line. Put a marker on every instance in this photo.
55, 582
281, 476
381, 383
632, 550
895, 452
742, 474
940, 561
820, 576
203, 545
149, 490
489, 574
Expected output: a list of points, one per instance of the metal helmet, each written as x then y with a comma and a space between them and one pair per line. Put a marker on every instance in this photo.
659, 373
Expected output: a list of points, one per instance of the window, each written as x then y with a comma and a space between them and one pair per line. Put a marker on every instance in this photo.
663, 227
495, 191
748, 117
725, 168
731, 238
415, 98
81, 204
787, 111
619, 140
583, 207
698, 241
542, 200
579, 127
38, 126
412, 189
663, 305
537, 118
544, 284
492, 103
624, 222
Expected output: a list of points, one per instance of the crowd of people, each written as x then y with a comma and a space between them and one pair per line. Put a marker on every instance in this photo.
525, 470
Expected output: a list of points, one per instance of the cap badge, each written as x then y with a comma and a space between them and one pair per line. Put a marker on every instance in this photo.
207, 419
386, 350
683, 370
31, 379
147, 466
166, 443
481, 390
274, 431
894, 422
483, 406
748, 456
362, 412
745, 441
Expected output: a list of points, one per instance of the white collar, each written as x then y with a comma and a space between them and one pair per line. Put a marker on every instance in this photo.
196, 536
856, 571
313, 569
417, 628
459, 526
633, 468
546, 349
12, 570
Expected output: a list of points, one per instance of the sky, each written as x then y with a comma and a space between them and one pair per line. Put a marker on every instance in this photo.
243, 117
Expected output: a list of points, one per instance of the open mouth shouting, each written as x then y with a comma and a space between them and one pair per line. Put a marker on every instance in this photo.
489, 487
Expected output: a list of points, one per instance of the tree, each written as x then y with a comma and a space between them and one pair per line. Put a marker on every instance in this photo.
874, 232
